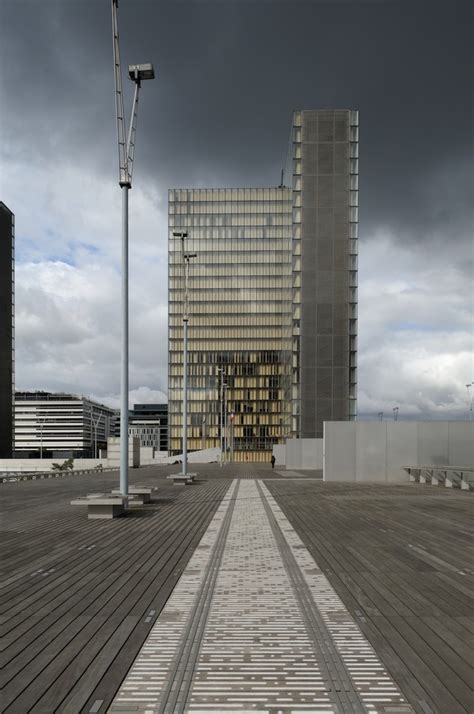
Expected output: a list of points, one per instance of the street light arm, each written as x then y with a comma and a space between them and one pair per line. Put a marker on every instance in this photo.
124, 179
132, 131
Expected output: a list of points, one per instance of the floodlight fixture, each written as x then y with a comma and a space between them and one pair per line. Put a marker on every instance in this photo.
139, 72
180, 234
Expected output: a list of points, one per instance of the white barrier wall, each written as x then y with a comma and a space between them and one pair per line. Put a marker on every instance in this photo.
279, 452
377, 451
304, 454
46, 464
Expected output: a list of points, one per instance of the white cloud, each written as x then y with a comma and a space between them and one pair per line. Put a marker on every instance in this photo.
68, 247
415, 308
416, 327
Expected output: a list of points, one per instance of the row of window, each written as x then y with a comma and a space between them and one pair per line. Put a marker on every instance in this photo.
230, 344
255, 293
283, 219
223, 333
245, 369
232, 269
226, 207
250, 395
226, 281
225, 234
229, 194
215, 319
233, 381
224, 358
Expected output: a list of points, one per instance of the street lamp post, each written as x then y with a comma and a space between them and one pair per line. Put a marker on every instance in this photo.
380, 416
126, 151
220, 372
41, 436
226, 435
395, 413
96, 423
203, 432
186, 258
232, 417
469, 398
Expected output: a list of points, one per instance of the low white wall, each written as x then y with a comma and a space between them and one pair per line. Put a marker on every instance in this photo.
377, 451
203, 456
38, 465
147, 455
304, 454
279, 452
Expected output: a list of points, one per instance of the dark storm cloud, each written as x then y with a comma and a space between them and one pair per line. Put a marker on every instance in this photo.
228, 76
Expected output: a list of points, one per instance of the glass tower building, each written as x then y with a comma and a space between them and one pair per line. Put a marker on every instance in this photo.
272, 298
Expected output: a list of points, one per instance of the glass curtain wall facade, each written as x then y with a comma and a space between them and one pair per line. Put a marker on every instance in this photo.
273, 297
239, 336
325, 172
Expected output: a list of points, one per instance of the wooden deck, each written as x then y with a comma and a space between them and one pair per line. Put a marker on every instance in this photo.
79, 597
402, 560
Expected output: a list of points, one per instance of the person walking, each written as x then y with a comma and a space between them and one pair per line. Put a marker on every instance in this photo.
273, 461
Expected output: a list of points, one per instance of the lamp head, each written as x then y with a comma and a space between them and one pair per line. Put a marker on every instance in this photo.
139, 72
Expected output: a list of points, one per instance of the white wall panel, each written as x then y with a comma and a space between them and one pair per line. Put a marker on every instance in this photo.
371, 448
339, 451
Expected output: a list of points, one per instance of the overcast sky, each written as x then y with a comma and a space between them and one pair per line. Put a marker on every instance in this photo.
229, 74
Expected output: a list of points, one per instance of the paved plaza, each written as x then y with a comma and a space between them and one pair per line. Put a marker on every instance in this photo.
251, 590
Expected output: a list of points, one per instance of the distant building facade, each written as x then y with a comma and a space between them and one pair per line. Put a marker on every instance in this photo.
49, 425
273, 298
147, 431
150, 423
7, 331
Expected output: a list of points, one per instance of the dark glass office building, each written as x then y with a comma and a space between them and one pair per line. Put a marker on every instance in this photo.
7, 331
152, 413
273, 298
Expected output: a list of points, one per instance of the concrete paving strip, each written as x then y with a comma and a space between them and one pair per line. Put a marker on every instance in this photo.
253, 625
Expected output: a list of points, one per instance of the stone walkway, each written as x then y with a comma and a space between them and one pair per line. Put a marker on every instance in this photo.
253, 625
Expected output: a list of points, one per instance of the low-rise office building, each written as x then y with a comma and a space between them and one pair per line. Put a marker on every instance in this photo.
59, 426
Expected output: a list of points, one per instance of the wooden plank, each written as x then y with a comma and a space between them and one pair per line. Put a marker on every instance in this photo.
50, 658
393, 550
72, 635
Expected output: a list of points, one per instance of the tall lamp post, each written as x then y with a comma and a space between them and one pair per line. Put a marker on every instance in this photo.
41, 436
221, 373
186, 258
395, 413
126, 152
226, 423
96, 423
469, 399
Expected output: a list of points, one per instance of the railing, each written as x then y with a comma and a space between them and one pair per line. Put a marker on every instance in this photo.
451, 476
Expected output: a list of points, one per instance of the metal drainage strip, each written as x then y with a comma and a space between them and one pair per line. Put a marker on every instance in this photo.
376, 691
155, 666
176, 691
